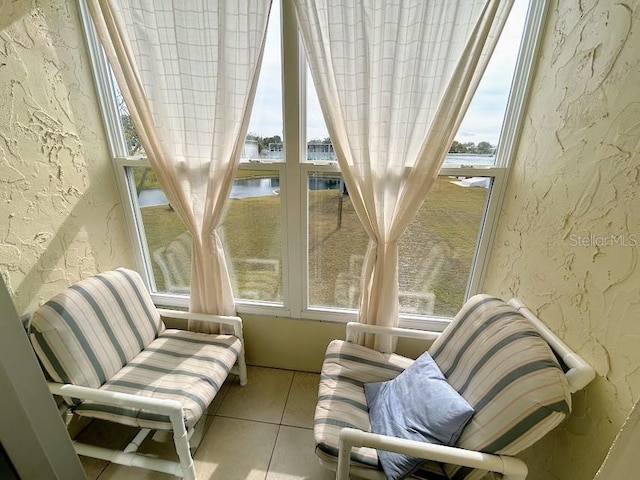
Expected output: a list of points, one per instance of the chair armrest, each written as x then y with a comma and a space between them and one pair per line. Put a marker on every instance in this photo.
580, 373
510, 467
172, 408
235, 322
353, 328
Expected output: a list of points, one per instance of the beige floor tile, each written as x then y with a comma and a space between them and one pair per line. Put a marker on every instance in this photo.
103, 434
120, 472
160, 443
235, 449
106, 434
301, 403
93, 467
294, 457
262, 399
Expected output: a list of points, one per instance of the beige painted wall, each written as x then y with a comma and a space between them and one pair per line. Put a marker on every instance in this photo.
60, 219
292, 344
573, 199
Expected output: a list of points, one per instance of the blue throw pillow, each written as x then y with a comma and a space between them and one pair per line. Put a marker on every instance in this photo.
419, 404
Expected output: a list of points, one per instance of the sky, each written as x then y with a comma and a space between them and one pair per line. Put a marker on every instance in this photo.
482, 122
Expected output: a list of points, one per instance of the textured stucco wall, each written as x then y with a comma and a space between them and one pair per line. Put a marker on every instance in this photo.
569, 234
60, 218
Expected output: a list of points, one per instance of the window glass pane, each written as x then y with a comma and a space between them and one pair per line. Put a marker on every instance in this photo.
319, 147
250, 232
436, 252
264, 137
477, 138
131, 137
167, 239
337, 243
478, 135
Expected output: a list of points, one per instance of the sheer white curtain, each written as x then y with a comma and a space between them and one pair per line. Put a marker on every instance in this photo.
188, 71
394, 80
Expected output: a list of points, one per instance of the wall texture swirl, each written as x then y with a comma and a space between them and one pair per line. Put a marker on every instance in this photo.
61, 217
569, 234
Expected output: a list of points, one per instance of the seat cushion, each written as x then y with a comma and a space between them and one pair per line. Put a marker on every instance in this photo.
87, 333
342, 402
496, 359
179, 365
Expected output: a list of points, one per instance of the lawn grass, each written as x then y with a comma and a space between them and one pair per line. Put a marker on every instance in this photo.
436, 251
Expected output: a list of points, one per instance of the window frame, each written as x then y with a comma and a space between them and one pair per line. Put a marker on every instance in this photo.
294, 170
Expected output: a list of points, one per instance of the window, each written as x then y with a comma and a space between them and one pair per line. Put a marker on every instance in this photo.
253, 260
439, 251
294, 244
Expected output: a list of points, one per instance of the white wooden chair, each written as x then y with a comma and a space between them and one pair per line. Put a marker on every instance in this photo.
105, 347
515, 373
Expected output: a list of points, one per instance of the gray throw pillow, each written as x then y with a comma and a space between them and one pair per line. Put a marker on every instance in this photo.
419, 404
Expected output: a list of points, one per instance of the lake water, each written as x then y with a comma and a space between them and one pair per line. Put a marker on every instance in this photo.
261, 187
251, 187
243, 188
468, 159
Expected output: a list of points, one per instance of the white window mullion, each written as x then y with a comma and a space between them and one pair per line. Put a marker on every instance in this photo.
105, 89
483, 243
510, 135
107, 98
294, 241
523, 76
133, 218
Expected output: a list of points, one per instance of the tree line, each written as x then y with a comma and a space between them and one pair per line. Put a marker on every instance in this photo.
482, 148
135, 147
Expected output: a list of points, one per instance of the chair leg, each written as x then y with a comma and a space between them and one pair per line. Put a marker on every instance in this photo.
181, 442
242, 368
240, 361
184, 453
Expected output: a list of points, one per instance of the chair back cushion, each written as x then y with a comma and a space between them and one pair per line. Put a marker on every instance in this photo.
499, 363
87, 333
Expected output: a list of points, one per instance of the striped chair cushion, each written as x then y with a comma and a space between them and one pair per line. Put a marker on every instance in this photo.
342, 403
87, 333
179, 365
507, 372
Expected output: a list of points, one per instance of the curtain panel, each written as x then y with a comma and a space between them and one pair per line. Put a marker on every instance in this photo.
188, 72
394, 80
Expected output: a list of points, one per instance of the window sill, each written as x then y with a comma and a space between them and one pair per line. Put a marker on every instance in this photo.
418, 322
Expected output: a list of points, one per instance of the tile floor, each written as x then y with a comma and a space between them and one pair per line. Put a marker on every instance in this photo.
262, 431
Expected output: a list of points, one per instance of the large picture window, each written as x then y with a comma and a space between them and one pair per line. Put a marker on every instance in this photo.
293, 242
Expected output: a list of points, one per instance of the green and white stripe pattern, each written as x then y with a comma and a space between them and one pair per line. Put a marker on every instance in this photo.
341, 400
490, 354
87, 333
105, 332
507, 372
179, 365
